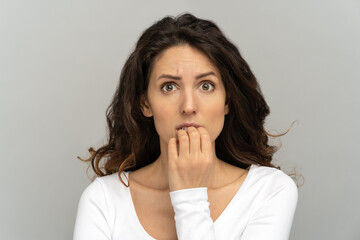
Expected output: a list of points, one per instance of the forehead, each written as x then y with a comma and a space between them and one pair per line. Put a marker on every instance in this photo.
182, 59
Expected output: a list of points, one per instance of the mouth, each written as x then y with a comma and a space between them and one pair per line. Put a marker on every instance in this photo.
184, 126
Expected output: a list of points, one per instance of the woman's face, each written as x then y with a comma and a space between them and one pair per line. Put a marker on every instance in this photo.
185, 87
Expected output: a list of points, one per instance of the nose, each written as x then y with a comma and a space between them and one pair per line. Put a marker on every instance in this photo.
188, 103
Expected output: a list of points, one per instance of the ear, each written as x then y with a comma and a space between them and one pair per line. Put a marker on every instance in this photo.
145, 106
226, 109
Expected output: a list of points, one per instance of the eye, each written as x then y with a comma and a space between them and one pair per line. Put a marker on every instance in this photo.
168, 87
207, 86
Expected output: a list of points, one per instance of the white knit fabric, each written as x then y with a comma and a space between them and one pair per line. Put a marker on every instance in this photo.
263, 208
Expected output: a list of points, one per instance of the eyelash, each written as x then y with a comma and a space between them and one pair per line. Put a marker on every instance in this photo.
173, 83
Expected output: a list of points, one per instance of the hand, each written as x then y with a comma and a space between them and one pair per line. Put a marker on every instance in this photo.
190, 166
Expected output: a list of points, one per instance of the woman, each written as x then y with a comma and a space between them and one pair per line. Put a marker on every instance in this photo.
187, 157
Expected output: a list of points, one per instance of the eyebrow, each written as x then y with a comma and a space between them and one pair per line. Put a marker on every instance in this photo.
179, 78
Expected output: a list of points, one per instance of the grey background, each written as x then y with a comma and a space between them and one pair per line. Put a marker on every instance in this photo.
60, 62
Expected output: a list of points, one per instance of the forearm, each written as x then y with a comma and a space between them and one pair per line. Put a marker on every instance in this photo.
192, 214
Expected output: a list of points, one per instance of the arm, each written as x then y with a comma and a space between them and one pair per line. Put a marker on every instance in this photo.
192, 214
91, 222
273, 219
189, 170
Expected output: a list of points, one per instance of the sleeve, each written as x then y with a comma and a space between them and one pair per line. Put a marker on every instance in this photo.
273, 220
91, 222
192, 214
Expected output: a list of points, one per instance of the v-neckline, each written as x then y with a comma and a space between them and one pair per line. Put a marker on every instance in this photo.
136, 221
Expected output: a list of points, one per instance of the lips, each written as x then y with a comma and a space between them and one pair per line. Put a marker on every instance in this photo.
186, 125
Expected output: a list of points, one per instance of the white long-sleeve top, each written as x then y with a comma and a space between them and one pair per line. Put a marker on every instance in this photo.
263, 208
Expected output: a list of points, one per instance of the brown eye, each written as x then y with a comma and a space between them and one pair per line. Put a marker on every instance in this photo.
206, 86
168, 87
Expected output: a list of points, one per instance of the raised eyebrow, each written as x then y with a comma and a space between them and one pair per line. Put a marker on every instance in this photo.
169, 76
206, 74
179, 78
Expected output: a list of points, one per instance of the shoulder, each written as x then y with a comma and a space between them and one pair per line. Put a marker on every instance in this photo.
98, 207
272, 198
272, 176
271, 183
104, 188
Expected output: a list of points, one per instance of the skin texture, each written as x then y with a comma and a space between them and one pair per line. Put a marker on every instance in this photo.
187, 158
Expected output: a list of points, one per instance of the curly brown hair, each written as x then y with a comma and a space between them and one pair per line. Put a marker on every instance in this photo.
133, 141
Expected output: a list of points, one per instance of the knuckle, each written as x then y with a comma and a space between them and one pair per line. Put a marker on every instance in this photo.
194, 134
180, 132
202, 130
172, 142
195, 165
183, 138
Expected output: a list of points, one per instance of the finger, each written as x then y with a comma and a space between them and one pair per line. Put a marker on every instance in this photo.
172, 149
205, 141
194, 141
183, 143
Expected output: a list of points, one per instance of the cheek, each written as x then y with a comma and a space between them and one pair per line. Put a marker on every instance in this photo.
216, 122
163, 122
